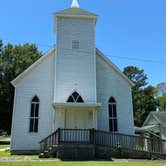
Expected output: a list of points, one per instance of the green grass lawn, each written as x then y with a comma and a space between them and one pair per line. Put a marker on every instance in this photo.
5, 139
22, 157
5, 153
4, 142
20, 161
4, 146
81, 164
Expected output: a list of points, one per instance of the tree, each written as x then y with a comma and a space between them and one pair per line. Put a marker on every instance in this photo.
14, 59
161, 96
137, 76
149, 102
1, 46
143, 97
161, 102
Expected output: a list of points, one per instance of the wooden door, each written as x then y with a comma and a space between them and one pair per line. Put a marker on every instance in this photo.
78, 119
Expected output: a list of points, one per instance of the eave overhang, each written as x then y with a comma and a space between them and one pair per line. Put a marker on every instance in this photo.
74, 13
98, 52
30, 68
76, 16
148, 128
77, 105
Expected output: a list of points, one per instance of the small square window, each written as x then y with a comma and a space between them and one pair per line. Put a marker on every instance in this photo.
75, 44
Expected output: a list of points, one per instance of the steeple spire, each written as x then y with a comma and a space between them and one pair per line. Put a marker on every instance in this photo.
75, 4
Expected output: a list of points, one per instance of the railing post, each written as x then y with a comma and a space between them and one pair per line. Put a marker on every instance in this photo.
162, 146
41, 147
59, 134
92, 136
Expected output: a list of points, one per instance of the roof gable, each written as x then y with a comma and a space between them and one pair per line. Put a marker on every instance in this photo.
160, 117
50, 52
99, 53
30, 68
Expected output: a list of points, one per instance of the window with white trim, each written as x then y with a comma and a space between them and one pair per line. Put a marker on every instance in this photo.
75, 44
34, 115
112, 115
75, 98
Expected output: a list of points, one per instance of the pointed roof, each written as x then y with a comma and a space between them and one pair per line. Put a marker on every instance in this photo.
99, 53
160, 117
75, 4
51, 52
75, 11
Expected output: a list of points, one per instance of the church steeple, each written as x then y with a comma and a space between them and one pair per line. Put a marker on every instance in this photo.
75, 49
75, 4
74, 12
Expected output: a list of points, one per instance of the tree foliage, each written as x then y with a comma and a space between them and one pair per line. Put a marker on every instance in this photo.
137, 76
143, 97
14, 59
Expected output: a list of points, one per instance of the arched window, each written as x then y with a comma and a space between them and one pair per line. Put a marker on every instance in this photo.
34, 115
75, 98
112, 115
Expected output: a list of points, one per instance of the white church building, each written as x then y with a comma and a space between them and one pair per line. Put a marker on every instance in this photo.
73, 86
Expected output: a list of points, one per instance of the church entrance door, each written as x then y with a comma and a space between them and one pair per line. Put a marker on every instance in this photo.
78, 119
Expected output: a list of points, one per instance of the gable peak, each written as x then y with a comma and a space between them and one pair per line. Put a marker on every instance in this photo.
75, 4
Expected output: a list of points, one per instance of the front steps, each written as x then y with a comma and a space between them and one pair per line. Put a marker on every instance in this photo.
49, 153
70, 152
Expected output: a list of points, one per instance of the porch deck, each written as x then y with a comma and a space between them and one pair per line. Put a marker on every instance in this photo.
95, 143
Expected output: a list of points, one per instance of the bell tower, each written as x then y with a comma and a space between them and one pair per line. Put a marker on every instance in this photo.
75, 64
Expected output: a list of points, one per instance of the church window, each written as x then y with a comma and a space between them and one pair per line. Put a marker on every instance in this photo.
112, 114
75, 44
75, 98
34, 115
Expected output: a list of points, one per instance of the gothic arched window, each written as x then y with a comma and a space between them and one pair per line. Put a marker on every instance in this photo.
34, 115
75, 98
112, 114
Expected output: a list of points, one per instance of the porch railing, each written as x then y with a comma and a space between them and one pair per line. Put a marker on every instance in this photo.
130, 142
50, 141
75, 136
97, 137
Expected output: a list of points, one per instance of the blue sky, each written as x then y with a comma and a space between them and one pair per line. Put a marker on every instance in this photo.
125, 28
